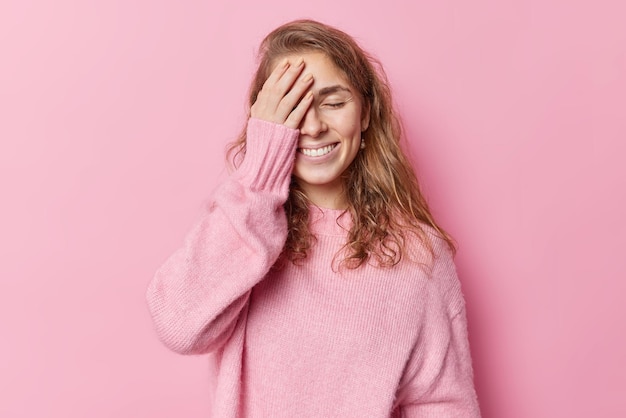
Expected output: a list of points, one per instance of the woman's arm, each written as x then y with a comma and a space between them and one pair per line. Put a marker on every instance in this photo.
438, 380
196, 296
451, 393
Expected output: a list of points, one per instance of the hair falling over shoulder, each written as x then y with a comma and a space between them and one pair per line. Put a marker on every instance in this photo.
384, 196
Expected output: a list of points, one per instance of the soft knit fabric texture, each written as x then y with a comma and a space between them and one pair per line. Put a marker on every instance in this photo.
310, 340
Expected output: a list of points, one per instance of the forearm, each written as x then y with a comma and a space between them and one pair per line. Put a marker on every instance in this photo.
197, 295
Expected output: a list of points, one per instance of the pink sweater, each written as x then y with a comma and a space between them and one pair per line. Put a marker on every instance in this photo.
308, 340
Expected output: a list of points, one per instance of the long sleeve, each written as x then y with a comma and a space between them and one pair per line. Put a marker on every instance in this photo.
196, 297
439, 379
452, 391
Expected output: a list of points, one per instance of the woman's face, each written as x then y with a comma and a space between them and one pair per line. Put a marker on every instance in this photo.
330, 132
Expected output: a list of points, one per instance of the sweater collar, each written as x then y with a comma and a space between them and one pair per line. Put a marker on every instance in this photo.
324, 221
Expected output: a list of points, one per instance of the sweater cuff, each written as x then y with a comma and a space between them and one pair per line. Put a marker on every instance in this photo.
270, 155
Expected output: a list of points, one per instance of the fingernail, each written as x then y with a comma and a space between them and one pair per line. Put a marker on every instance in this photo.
299, 62
308, 95
307, 78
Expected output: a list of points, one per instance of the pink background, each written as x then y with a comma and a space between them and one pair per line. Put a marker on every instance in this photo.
113, 120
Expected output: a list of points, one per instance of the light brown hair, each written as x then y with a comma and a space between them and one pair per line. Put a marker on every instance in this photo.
383, 193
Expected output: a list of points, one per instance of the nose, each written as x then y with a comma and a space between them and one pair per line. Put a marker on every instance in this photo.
311, 124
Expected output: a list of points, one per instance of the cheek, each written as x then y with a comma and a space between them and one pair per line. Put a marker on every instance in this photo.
348, 124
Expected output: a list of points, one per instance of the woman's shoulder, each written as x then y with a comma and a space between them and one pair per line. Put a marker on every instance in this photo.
435, 257
426, 245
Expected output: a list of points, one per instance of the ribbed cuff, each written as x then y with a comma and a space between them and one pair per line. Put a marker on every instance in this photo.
270, 155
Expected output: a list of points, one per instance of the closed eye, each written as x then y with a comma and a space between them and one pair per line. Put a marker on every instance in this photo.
335, 105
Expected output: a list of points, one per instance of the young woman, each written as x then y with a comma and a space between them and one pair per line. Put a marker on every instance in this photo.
317, 279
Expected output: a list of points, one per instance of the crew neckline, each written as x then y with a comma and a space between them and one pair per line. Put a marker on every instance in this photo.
326, 221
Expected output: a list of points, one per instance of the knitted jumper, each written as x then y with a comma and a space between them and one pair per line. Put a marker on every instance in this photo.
310, 340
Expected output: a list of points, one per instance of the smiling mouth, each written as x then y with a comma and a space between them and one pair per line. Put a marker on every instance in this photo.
317, 152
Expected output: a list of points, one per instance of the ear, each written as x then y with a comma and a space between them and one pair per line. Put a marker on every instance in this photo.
365, 117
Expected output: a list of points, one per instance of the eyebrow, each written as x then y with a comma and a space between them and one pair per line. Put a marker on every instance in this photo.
325, 91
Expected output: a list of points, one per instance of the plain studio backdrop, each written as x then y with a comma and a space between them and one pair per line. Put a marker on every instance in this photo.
114, 116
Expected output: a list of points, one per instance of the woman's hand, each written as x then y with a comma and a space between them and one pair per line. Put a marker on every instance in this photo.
282, 99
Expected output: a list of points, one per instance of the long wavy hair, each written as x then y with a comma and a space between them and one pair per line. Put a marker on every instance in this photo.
383, 194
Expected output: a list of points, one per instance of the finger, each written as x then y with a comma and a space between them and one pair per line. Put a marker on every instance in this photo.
277, 73
284, 83
293, 97
296, 116
279, 83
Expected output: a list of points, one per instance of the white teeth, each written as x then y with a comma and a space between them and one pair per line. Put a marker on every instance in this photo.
317, 152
